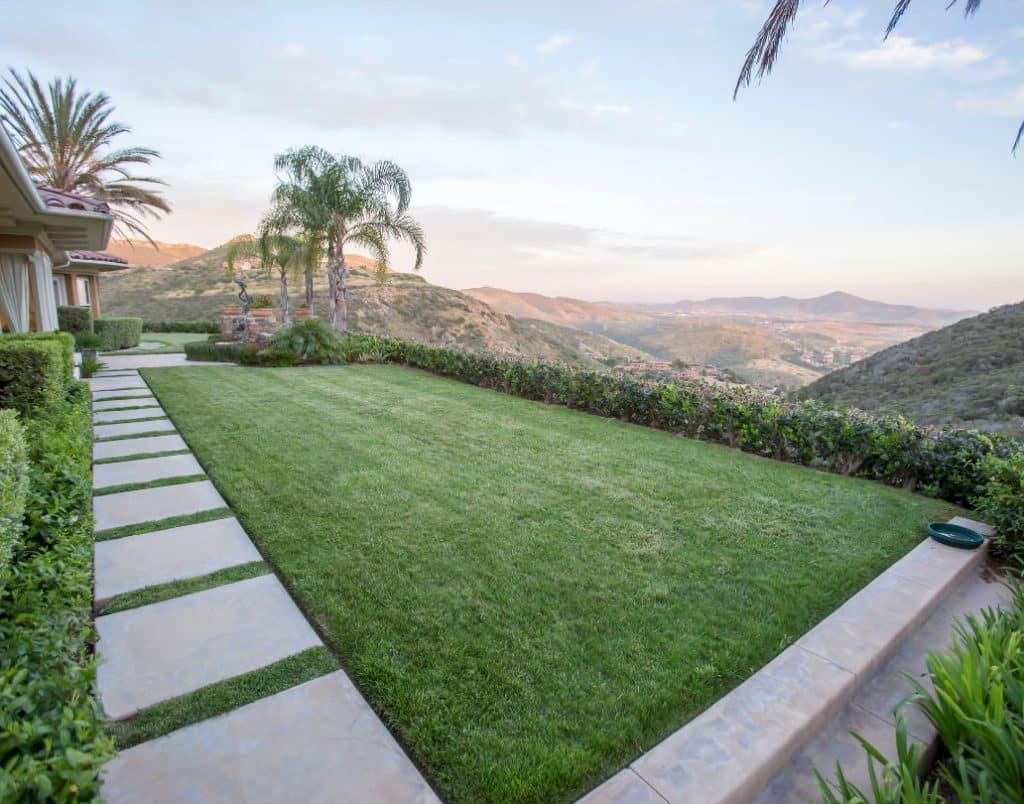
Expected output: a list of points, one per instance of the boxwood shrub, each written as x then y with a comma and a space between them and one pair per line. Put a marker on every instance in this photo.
13, 484
52, 740
74, 319
119, 333
34, 372
212, 351
206, 327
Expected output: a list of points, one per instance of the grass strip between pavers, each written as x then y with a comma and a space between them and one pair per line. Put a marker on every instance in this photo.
151, 484
153, 404
146, 434
142, 455
224, 696
164, 524
139, 394
185, 586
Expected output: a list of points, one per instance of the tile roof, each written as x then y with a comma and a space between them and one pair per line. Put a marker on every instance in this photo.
96, 256
62, 199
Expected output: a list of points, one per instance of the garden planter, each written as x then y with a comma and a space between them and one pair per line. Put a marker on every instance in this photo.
303, 313
90, 354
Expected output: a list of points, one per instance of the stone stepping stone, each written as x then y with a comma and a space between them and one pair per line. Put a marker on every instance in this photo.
115, 373
137, 402
156, 652
127, 393
143, 471
136, 446
317, 742
149, 505
133, 428
134, 562
114, 383
111, 416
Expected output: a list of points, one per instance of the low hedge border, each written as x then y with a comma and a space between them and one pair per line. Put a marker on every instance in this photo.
119, 333
206, 327
34, 369
74, 319
211, 351
13, 484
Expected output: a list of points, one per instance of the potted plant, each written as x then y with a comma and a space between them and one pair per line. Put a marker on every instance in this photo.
262, 306
89, 344
303, 313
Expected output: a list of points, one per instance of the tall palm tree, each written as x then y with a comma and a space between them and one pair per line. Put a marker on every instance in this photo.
277, 253
765, 51
340, 201
65, 138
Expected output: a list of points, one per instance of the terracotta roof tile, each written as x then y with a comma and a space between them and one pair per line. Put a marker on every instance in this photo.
62, 199
96, 256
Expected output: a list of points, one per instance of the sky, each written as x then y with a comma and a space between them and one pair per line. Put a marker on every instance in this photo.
593, 149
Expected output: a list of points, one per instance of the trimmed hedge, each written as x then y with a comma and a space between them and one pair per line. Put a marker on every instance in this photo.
34, 372
119, 333
206, 327
13, 484
948, 464
52, 740
74, 319
67, 345
213, 352
1002, 503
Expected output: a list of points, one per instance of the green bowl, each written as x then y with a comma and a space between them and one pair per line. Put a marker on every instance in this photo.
955, 535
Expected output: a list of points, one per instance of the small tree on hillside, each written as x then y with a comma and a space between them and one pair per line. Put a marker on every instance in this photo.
278, 254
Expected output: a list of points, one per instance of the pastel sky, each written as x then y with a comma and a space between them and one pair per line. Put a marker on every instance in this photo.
593, 149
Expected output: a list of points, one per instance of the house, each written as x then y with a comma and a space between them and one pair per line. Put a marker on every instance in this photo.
51, 245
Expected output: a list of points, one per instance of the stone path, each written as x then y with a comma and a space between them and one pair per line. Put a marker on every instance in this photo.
318, 741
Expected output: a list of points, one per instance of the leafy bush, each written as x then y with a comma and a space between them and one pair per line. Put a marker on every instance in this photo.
212, 352
261, 301
64, 340
275, 356
119, 333
948, 463
52, 741
33, 374
1002, 502
88, 340
208, 327
90, 365
312, 341
74, 319
13, 484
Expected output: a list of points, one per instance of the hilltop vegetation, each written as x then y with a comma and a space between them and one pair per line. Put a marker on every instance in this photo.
969, 374
405, 305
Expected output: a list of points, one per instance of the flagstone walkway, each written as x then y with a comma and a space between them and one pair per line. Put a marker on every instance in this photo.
318, 741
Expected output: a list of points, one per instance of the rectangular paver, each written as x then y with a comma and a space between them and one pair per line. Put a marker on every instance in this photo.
317, 742
156, 652
135, 562
113, 383
127, 393
150, 505
147, 401
137, 446
122, 473
111, 416
133, 428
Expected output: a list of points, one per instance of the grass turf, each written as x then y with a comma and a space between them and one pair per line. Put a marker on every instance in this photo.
170, 343
529, 596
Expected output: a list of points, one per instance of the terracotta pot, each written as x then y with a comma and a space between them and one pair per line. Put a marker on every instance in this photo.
262, 312
302, 313
232, 309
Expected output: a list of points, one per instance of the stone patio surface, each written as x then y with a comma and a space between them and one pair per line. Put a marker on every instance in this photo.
160, 651
135, 562
127, 393
317, 742
133, 428
110, 416
137, 446
113, 383
150, 505
137, 402
143, 471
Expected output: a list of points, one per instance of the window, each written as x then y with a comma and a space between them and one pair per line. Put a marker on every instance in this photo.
60, 289
83, 291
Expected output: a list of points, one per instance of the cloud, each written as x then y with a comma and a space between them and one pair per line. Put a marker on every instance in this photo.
906, 51
556, 42
1008, 103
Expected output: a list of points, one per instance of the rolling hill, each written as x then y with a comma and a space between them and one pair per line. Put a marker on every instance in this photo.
970, 373
405, 305
141, 252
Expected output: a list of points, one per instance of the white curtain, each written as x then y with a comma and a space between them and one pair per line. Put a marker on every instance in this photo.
14, 290
46, 304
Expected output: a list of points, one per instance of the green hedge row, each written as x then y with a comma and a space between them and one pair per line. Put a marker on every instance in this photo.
52, 741
13, 484
949, 464
119, 333
74, 319
207, 327
213, 352
35, 369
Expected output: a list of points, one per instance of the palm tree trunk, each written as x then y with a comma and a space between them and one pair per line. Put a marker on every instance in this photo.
332, 290
341, 294
285, 317
309, 287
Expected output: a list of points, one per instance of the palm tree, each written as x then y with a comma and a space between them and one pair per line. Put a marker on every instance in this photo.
765, 51
339, 201
280, 253
65, 138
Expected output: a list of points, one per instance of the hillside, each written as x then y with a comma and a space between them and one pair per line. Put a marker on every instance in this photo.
970, 374
405, 305
557, 309
141, 252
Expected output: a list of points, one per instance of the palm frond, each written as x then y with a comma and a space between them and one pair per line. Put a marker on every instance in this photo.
761, 57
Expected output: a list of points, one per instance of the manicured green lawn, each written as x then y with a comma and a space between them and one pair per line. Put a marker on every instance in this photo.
529, 596
170, 343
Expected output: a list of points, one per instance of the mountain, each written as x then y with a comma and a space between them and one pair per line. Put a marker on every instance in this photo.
404, 305
141, 252
558, 310
970, 373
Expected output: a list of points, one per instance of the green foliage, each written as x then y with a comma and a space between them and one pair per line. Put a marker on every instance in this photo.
64, 340
88, 340
1002, 502
119, 333
274, 356
263, 301
33, 374
52, 742
211, 327
948, 464
90, 365
212, 351
74, 319
312, 341
13, 484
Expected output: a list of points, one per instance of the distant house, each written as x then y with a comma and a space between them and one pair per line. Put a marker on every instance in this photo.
50, 248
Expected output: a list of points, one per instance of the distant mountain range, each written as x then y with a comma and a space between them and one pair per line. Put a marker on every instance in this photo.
142, 252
